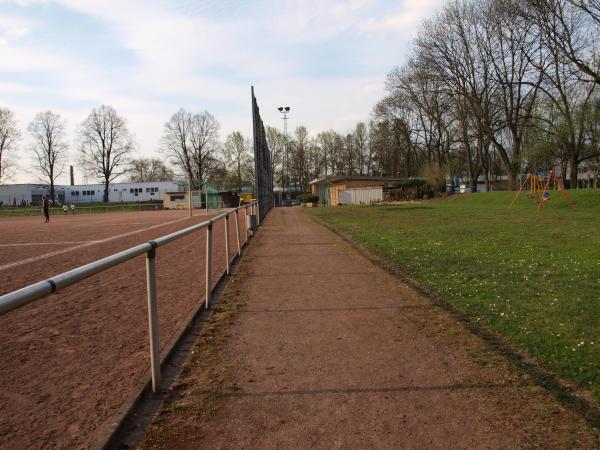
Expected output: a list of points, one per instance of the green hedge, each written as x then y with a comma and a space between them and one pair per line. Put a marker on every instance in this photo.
307, 198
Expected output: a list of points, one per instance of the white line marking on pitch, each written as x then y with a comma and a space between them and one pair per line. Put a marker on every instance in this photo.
87, 244
45, 243
112, 224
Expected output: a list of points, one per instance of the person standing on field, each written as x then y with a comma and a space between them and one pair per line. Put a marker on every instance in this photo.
46, 208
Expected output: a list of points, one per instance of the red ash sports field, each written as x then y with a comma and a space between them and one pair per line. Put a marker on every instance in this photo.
69, 360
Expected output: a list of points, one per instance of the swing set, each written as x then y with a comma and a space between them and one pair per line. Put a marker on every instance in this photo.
539, 188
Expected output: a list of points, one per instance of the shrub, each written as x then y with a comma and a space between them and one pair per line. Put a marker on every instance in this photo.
412, 189
308, 198
436, 176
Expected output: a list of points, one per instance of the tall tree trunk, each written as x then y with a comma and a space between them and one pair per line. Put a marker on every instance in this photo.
105, 195
52, 185
563, 172
573, 165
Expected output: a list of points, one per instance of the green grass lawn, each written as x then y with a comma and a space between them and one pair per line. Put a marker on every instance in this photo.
533, 276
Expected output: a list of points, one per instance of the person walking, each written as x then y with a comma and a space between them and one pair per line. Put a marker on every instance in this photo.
46, 208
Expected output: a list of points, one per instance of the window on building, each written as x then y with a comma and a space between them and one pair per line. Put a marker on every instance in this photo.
177, 197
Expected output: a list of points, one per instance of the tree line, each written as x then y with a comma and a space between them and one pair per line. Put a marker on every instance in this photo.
491, 88
499, 85
105, 147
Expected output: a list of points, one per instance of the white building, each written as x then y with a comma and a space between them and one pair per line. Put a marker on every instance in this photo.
32, 194
19, 194
122, 192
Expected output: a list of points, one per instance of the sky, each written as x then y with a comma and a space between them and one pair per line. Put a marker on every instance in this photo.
325, 59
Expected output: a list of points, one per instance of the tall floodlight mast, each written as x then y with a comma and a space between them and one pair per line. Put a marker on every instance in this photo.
285, 110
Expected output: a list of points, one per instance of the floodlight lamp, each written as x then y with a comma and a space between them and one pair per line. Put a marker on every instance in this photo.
280, 109
287, 108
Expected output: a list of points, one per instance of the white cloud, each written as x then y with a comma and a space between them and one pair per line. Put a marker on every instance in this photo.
13, 28
180, 56
405, 20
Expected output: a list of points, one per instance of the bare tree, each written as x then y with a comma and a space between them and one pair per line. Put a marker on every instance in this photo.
276, 142
299, 158
49, 147
9, 136
570, 27
105, 145
149, 169
192, 143
331, 145
238, 159
361, 145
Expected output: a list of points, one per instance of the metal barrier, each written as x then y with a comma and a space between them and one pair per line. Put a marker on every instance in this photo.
54, 211
28, 294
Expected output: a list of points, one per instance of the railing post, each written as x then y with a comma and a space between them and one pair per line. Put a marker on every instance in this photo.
190, 202
153, 317
246, 224
208, 261
257, 214
237, 230
227, 242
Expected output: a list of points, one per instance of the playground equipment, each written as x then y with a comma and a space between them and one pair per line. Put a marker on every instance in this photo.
539, 188
536, 185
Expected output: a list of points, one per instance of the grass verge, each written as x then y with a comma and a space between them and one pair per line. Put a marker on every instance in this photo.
532, 276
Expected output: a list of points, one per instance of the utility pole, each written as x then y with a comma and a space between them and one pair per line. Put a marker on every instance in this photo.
285, 110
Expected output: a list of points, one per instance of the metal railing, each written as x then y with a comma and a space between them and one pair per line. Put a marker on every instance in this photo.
36, 291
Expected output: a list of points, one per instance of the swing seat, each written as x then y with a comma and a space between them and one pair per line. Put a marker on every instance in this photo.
546, 196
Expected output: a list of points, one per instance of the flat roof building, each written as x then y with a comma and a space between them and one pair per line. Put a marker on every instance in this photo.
31, 194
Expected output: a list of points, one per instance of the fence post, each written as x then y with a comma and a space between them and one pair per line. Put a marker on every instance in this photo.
227, 242
208, 261
153, 316
246, 224
190, 202
237, 230
257, 214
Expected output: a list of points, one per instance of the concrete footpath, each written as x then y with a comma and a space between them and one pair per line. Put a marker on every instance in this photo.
328, 350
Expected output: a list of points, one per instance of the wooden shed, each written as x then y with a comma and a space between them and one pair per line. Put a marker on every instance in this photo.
329, 188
